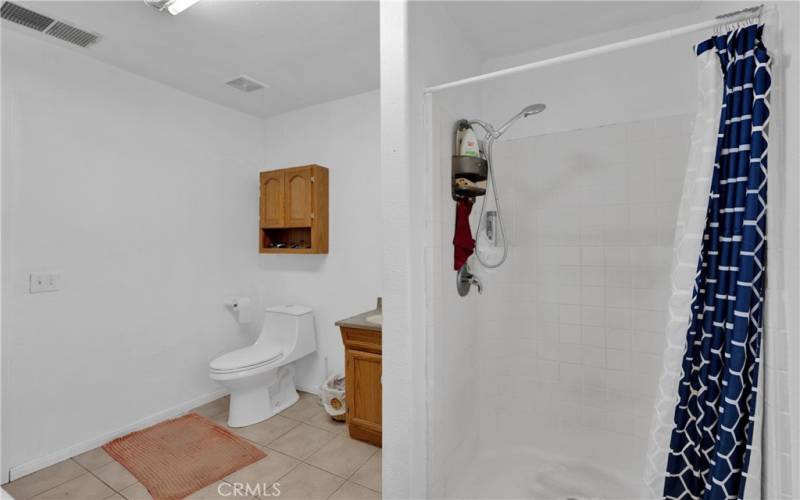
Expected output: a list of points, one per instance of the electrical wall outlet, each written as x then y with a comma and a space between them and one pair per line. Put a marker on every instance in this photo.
45, 282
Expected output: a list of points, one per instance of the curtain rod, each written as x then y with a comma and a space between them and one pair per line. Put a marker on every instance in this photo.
728, 18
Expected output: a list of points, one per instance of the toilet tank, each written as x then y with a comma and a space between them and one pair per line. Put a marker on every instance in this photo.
292, 328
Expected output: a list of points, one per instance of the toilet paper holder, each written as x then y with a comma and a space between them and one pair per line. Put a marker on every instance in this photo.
240, 307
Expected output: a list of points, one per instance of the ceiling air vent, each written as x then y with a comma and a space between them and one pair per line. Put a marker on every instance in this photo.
47, 25
25, 17
246, 84
71, 34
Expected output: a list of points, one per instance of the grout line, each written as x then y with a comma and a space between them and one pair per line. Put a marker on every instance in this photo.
336, 490
79, 464
101, 479
366, 487
323, 429
57, 485
290, 470
272, 441
111, 487
326, 471
363, 464
346, 478
116, 491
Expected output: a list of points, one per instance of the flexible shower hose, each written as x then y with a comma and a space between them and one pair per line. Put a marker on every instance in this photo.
490, 168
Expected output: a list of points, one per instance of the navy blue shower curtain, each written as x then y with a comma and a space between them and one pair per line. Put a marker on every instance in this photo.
709, 446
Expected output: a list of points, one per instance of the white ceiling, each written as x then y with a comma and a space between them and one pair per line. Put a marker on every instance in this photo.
310, 52
307, 52
503, 28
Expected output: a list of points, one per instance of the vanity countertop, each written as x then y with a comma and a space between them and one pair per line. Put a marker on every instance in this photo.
359, 321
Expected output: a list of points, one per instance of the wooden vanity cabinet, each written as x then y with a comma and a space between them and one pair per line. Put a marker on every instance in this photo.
363, 368
293, 215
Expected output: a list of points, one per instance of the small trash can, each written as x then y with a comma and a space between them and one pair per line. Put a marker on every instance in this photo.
332, 394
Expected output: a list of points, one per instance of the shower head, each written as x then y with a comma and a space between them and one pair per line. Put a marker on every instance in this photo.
492, 133
533, 109
526, 112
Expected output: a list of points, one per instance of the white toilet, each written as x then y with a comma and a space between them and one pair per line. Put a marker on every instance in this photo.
259, 376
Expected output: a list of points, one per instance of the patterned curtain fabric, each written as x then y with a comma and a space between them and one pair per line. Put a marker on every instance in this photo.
686, 246
714, 416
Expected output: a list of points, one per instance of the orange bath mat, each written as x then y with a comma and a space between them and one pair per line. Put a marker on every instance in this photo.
175, 458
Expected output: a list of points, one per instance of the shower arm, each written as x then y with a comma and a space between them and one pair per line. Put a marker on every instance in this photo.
491, 133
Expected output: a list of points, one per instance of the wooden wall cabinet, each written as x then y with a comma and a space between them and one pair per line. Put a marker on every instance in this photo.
363, 368
293, 214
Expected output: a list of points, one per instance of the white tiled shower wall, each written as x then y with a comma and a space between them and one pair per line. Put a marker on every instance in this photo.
572, 325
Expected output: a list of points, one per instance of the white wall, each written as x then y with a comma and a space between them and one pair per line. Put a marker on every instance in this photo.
342, 135
143, 198
404, 467
420, 46
453, 334
627, 85
646, 81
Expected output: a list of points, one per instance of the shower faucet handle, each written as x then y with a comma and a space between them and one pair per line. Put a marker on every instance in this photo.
465, 280
476, 282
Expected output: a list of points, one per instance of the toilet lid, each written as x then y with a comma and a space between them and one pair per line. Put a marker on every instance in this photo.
247, 357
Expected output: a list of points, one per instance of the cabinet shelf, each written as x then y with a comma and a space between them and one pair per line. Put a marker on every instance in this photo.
294, 210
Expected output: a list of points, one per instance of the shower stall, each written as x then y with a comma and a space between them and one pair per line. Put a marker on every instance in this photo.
544, 384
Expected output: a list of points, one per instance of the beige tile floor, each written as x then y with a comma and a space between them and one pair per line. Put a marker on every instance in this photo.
308, 454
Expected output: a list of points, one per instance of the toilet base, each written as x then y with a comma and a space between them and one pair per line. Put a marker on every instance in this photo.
258, 400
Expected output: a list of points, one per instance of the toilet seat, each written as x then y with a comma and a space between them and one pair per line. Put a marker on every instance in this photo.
247, 358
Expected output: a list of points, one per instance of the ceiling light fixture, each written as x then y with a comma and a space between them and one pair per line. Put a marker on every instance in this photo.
174, 7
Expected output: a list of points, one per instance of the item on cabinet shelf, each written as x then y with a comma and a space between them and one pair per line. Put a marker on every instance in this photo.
294, 210
333, 397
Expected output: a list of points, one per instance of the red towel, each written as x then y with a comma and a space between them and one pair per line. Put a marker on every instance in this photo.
463, 244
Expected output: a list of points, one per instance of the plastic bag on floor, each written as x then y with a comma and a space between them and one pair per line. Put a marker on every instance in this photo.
333, 397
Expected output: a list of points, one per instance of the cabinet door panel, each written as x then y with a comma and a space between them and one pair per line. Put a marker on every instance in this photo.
364, 389
298, 197
272, 203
